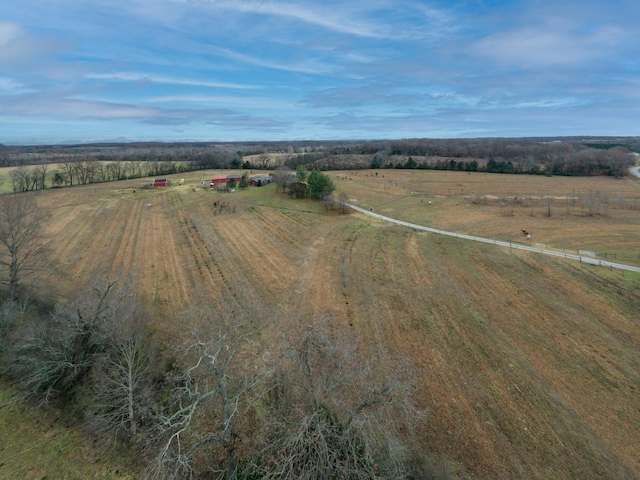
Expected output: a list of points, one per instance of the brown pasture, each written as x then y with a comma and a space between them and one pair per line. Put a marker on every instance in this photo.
526, 366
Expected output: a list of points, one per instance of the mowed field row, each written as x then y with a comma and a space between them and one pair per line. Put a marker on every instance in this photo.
525, 366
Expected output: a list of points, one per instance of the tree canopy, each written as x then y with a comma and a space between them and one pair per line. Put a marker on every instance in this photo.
320, 185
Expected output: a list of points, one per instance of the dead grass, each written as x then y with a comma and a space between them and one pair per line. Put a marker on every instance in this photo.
597, 214
527, 366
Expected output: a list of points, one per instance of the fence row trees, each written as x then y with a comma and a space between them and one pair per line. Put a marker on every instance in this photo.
24, 179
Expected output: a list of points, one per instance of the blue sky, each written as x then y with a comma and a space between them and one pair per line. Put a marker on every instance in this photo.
225, 70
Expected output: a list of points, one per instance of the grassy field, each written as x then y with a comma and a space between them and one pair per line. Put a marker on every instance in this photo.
526, 366
591, 213
39, 445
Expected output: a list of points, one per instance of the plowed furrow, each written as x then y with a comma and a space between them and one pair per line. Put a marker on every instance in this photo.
208, 266
257, 254
125, 256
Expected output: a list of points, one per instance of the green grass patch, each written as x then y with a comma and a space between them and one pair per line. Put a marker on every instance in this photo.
36, 444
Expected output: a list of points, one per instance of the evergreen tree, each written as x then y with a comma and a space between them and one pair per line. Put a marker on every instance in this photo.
320, 185
244, 181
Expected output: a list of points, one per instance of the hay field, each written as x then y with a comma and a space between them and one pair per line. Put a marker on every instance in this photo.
526, 366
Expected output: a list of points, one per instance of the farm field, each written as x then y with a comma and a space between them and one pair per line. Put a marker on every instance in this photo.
591, 213
525, 366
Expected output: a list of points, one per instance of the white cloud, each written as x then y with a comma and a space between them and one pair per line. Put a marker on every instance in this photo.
309, 66
331, 18
551, 43
367, 19
153, 78
19, 46
253, 102
39, 106
9, 86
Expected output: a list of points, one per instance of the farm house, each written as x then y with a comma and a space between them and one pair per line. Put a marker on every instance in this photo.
161, 182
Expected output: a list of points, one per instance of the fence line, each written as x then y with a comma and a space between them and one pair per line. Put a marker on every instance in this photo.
516, 246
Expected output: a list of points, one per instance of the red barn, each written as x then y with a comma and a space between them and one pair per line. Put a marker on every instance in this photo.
215, 181
161, 182
218, 181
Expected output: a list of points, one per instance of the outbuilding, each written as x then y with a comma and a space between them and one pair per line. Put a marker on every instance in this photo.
161, 182
261, 180
215, 181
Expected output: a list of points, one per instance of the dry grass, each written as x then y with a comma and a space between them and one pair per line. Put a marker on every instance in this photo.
597, 214
528, 366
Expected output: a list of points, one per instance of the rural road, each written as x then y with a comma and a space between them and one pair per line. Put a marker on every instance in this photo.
635, 171
516, 246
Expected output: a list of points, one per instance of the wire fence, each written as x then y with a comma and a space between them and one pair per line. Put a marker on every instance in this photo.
589, 259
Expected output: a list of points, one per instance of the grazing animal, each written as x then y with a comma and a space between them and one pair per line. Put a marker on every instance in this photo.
525, 233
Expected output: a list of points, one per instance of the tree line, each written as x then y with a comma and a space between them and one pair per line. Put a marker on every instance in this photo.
68, 174
82, 164
487, 155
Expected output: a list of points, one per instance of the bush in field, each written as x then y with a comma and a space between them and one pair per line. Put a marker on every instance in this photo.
297, 189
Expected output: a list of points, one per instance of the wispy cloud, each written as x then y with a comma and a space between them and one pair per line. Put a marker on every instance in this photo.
243, 101
365, 19
327, 16
154, 78
42, 106
338, 69
311, 66
9, 86
550, 45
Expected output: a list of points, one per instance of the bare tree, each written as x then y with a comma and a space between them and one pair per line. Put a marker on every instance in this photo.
21, 238
20, 179
123, 391
68, 172
86, 171
40, 174
283, 176
343, 199
328, 412
52, 356
211, 393
264, 161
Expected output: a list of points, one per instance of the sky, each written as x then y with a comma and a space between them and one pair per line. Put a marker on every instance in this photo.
74, 71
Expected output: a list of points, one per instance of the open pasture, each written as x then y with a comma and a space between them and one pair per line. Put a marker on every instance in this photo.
597, 214
525, 366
